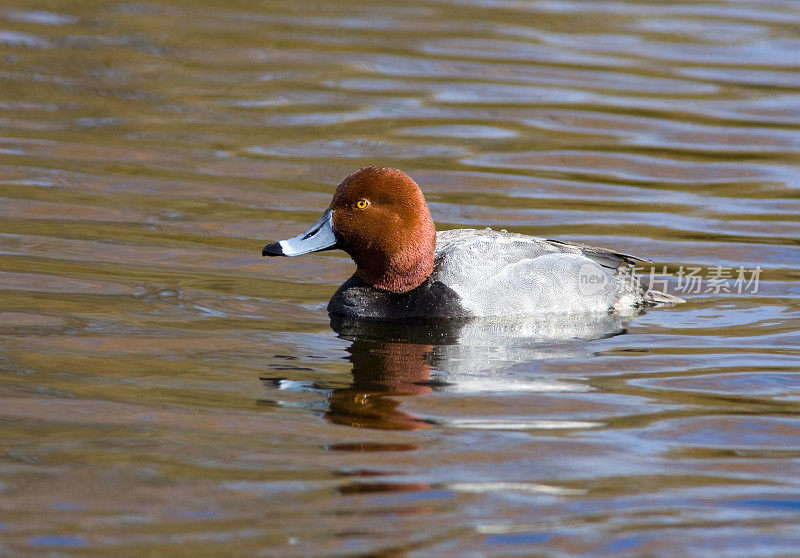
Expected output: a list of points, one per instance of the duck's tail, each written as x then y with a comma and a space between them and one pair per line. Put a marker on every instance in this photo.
657, 297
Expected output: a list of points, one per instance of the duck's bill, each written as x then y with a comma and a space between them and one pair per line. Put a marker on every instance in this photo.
319, 236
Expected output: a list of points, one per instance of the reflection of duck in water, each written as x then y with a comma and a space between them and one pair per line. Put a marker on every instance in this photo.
405, 269
392, 359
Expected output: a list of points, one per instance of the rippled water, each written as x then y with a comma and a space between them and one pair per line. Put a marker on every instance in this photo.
163, 389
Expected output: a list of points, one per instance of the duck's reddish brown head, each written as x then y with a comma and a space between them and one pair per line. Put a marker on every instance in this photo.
380, 218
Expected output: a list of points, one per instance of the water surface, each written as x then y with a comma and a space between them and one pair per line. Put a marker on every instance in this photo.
163, 389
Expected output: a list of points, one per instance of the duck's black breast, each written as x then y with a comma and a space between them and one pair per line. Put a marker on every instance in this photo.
432, 299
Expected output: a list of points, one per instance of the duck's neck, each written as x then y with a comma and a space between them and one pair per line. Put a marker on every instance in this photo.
397, 278
403, 271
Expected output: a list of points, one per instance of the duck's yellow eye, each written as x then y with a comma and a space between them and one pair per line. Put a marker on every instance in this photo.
361, 204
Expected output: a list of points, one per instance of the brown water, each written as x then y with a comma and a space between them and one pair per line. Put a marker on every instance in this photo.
165, 391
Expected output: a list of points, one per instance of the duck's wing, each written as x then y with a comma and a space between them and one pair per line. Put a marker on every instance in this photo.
610, 259
470, 256
618, 261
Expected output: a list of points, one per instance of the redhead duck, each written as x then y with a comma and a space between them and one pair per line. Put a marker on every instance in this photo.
405, 269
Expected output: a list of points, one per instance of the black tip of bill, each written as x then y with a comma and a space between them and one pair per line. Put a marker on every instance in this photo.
273, 249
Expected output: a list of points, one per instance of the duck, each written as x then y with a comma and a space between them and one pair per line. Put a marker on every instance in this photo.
405, 269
